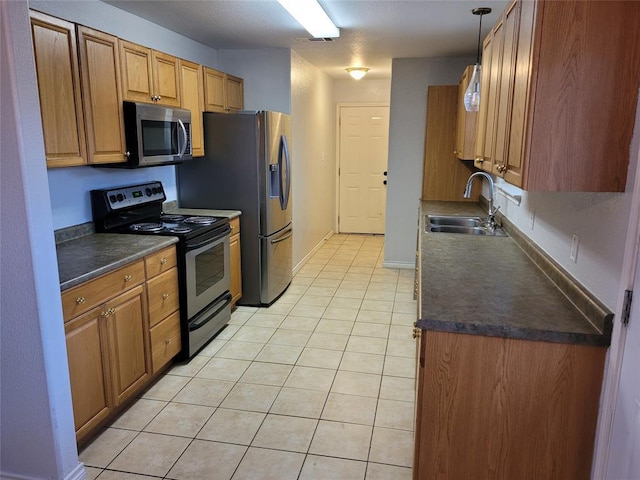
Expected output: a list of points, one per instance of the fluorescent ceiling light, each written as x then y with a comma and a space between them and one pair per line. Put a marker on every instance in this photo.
312, 17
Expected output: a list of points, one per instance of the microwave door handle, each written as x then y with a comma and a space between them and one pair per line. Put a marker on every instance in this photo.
184, 138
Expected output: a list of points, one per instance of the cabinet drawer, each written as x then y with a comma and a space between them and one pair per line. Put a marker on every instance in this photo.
165, 341
88, 295
160, 262
234, 223
162, 292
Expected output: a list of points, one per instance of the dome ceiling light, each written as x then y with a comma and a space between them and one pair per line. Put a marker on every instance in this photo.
357, 72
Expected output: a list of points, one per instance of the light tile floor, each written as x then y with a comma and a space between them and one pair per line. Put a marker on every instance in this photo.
318, 386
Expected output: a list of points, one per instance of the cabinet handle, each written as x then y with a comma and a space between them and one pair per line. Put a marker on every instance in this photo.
127, 154
163, 261
127, 278
80, 300
416, 332
165, 296
109, 311
168, 341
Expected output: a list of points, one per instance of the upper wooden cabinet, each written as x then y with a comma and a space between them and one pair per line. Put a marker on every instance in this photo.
223, 92
192, 95
149, 76
101, 96
56, 58
466, 121
566, 89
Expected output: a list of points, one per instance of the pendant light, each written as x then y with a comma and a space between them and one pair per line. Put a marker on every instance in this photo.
472, 93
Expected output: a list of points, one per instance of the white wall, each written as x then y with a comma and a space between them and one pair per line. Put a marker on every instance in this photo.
37, 431
313, 167
362, 91
410, 79
69, 187
267, 76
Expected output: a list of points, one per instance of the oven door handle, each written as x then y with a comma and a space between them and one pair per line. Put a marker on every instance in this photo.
227, 300
194, 246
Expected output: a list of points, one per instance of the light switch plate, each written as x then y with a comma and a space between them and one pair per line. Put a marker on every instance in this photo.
575, 242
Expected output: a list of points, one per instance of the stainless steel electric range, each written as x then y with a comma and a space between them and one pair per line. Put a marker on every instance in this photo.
202, 250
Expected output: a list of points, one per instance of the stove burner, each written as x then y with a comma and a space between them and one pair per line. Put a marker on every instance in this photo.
168, 217
146, 227
200, 220
178, 229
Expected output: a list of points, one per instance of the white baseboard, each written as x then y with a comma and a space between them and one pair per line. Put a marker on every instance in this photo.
320, 244
78, 473
409, 265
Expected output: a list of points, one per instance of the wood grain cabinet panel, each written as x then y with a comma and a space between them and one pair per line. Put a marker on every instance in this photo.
224, 93
56, 58
102, 96
235, 277
149, 76
88, 371
165, 341
192, 95
562, 93
466, 121
92, 293
444, 176
129, 358
163, 296
497, 408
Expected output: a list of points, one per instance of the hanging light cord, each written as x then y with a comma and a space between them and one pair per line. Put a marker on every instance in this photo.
479, 33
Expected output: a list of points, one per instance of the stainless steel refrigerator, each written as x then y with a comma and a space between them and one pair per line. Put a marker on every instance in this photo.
247, 167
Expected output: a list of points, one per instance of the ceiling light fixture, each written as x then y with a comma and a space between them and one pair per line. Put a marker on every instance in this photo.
357, 72
472, 93
312, 17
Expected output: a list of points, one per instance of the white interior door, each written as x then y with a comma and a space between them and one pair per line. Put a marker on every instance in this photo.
624, 448
363, 144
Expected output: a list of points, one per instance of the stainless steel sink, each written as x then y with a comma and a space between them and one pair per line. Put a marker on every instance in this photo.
454, 220
461, 224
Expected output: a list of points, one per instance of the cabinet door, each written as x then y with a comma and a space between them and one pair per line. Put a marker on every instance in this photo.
88, 371
235, 276
506, 73
127, 329
136, 68
166, 79
493, 97
235, 93
192, 95
162, 293
214, 90
101, 96
466, 121
56, 57
521, 88
487, 51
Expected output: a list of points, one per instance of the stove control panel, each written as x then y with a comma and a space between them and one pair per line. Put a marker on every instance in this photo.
130, 196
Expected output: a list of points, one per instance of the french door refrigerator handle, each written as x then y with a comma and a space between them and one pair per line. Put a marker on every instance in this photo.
284, 189
282, 238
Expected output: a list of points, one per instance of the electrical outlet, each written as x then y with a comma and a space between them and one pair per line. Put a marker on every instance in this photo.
532, 219
575, 242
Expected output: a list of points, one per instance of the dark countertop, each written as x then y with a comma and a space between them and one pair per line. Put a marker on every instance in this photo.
490, 286
89, 256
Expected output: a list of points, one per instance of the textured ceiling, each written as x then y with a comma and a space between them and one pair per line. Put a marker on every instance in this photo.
372, 32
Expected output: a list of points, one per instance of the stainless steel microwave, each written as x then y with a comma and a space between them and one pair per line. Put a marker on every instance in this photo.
156, 135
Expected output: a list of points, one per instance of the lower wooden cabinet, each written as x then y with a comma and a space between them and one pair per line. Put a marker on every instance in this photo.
108, 357
235, 261
493, 408
113, 350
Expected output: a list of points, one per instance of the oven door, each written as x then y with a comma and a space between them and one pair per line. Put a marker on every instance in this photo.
206, 268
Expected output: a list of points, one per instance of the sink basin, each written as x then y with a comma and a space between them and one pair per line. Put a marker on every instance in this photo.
456, 220
461, 224
458, 229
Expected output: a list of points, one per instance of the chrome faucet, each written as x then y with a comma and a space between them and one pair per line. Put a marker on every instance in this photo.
467, 194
